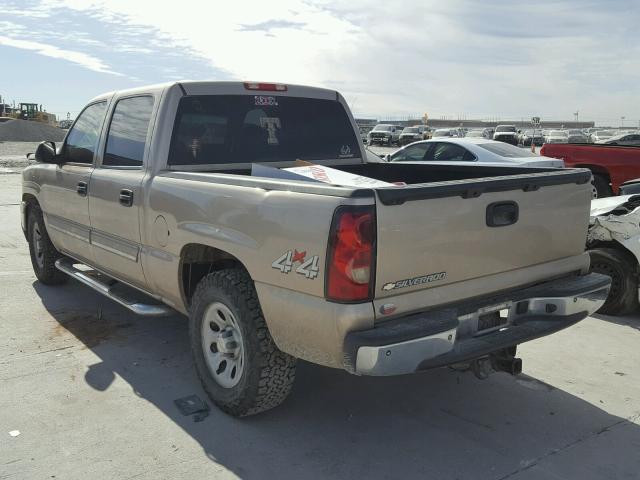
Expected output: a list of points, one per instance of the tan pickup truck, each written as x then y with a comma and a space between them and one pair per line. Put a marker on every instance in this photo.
151, 201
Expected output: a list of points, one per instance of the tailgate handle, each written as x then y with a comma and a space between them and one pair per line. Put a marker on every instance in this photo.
502, 214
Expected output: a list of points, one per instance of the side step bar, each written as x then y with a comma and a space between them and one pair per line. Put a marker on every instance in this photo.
126, 296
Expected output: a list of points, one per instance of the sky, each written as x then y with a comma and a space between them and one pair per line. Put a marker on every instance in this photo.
453, 58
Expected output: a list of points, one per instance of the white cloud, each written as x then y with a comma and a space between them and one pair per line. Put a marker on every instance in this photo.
79, 58
450, 57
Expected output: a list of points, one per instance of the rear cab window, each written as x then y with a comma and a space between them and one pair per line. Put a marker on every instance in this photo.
242, 129
128, 132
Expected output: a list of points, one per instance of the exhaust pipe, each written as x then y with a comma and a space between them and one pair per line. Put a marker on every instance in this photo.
483, 367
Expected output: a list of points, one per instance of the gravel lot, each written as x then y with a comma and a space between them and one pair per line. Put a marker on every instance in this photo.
90, 388
13, 155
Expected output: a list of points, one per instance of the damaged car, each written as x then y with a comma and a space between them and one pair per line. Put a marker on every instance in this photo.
613, 241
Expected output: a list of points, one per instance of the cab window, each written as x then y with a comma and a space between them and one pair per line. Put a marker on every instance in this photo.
128, 130
82, 140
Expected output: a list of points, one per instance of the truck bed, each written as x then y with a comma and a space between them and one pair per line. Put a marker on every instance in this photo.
444, 221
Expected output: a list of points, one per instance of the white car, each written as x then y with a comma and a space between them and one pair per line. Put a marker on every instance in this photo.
465, 150
600, 135
556, 136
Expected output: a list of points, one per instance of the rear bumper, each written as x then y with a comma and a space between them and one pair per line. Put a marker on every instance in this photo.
450, 335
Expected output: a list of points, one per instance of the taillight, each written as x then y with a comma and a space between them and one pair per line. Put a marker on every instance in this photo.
351, 255
266, 87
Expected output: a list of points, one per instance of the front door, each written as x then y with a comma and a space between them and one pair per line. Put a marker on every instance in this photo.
116, 195
64, 188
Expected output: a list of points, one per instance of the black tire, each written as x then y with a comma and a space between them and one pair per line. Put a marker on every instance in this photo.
622, 268
267, 374
602, 187
43, 253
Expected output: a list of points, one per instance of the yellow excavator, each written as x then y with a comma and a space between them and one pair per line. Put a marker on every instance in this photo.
31, 111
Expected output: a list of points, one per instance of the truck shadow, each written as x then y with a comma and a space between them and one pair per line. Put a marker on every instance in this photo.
439, 424
632, 320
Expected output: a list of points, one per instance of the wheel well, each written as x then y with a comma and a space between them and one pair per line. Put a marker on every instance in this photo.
30, 200
197, 261
621, 248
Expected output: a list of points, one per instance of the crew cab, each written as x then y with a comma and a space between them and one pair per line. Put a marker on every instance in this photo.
155, 200
612, 165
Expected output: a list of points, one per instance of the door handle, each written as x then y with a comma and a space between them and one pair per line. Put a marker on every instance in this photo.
81, 189
502, 214
126, 197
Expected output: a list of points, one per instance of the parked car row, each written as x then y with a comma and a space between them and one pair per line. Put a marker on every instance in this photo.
389, 134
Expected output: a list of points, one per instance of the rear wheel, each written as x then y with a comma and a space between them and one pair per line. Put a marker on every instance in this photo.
621, 267
43, 253
601, 186
238, 363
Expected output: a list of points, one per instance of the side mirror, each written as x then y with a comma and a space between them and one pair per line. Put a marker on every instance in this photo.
46, 153
387, 158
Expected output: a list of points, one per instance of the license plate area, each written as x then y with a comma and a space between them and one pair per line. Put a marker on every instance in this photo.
492, 318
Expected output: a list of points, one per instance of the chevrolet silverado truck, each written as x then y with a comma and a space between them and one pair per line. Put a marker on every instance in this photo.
611, 165
150, 200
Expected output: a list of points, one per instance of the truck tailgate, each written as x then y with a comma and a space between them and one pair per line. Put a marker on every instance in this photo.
435, 234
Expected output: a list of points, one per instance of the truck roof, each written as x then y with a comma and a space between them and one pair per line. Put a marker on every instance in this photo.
208, 87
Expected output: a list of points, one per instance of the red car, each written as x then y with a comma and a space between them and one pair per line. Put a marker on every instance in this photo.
611, 165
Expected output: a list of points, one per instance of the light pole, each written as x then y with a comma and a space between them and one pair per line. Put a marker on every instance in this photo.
622, 121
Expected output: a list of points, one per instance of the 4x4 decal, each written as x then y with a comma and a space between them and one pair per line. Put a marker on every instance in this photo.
308, 266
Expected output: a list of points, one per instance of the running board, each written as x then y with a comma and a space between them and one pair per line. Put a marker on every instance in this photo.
126, 296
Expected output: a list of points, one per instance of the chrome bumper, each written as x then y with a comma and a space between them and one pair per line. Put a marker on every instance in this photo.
448, 336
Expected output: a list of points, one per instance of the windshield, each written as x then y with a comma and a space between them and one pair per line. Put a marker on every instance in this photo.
604, 133
382, 128
506, 128
411, 130
231, 129
506, 150
557, 133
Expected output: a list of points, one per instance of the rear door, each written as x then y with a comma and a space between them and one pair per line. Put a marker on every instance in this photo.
64, 187
116, 197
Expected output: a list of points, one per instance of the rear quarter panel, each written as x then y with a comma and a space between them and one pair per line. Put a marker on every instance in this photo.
254, 225
258, 227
